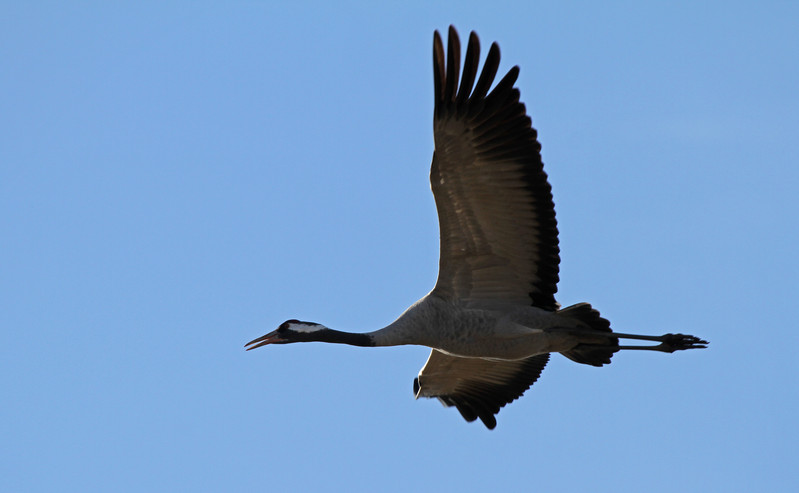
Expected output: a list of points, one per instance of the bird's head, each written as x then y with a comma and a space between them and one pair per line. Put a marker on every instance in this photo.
289, 331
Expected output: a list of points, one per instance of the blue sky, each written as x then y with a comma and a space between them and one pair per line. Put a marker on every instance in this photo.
177, 178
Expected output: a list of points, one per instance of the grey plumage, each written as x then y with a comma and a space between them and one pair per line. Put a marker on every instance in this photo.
491, 319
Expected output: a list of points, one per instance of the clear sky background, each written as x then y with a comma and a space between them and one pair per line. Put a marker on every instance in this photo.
177, 178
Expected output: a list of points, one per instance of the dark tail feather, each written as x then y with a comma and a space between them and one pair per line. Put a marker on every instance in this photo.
589, 353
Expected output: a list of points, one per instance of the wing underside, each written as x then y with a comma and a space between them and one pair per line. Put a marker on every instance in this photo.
477, 387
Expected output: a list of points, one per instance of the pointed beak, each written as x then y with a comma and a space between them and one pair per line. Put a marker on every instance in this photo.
269, 338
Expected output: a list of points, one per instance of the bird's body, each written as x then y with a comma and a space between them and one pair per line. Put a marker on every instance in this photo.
487, 330
491, 319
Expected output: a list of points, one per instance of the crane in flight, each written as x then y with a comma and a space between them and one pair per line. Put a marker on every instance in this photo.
491, 319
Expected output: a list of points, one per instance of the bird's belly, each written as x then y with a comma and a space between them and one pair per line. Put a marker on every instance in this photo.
504, 348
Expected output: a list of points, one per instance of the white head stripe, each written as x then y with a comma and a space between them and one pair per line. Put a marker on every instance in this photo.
305, 327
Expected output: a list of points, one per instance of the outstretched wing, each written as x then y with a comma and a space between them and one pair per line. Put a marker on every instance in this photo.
499, 237
477, 387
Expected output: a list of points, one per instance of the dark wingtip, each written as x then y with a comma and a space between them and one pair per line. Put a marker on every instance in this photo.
490, 67
439, 70
453, 63
489, 420
495, 48
471, 62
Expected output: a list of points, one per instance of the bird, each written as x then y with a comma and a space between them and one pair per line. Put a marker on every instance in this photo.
491, 320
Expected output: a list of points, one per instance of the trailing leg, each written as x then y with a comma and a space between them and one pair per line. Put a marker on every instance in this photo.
668, 342
598, 342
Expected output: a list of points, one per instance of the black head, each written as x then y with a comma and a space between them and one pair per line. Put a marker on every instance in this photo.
289, 331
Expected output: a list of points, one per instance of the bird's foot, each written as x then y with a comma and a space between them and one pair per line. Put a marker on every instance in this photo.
678, 342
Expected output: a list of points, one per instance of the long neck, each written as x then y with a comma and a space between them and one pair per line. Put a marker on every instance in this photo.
339, 337
395, 334
409, 328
